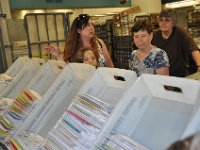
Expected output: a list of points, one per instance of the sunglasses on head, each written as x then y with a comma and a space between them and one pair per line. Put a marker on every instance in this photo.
83, 16
82, 20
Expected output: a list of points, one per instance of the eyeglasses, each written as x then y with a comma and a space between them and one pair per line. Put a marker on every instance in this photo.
166, 20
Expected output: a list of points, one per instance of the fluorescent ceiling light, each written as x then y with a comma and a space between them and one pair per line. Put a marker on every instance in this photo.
107, 14
112, 13
184, 3
99, 15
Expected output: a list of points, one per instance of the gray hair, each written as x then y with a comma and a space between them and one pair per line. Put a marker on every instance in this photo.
168, 13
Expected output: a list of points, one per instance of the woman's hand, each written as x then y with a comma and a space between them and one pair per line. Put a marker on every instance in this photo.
53, 50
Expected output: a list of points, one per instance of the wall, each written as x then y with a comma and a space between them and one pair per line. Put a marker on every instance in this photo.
148, 6
41, 4
19, 14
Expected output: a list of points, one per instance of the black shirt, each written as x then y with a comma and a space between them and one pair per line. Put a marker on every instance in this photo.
178, 47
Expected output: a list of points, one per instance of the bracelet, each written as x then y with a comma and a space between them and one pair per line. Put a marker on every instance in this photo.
198, 66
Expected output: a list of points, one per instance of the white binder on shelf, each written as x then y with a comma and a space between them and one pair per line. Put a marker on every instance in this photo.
13, 70
155, 112
57, 99
46, 76
85, 117
23, 78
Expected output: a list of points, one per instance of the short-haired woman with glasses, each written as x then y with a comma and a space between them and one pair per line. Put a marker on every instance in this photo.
147, 58
82, 34
177, 43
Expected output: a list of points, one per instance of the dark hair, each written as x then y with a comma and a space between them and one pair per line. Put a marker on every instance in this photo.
142, 25
168, 13
82, 20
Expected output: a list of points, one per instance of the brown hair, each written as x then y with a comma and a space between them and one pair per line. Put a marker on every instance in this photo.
80, 54
73, 41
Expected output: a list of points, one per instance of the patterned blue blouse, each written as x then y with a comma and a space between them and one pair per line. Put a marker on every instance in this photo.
156, 58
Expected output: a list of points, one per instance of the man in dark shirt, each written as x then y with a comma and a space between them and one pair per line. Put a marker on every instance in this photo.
177, 43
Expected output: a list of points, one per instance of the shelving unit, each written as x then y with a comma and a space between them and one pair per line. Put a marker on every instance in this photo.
154, 20
194, 25
123, 21
105, 32
122, 24
122, 51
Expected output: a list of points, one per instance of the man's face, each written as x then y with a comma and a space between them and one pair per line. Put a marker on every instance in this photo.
166, 24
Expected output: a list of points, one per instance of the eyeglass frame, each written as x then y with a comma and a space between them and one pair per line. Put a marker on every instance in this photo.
165, 19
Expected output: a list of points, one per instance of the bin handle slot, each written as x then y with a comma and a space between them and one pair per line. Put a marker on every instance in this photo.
173, 88
120, 78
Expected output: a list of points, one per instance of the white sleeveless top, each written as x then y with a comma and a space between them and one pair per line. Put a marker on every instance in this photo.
102, 59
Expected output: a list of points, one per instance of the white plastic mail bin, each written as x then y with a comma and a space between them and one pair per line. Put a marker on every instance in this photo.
108, 84
12, 71
91, 107
153, 114
57, 98
46, 76
23, 78
19, 63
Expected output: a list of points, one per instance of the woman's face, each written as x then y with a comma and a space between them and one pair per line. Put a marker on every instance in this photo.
88, 30
142, 39
89, 58
166, 24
